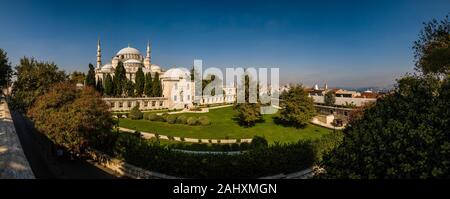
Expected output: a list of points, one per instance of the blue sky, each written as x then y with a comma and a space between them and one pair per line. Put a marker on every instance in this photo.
343, 43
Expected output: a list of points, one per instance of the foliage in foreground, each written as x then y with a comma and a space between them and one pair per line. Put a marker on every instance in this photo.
404, 135
72, 118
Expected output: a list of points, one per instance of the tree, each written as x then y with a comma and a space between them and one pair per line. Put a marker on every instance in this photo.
157, 90
297, 108
75, 119
329, 99
129, 88
90, 78
248, 113
140, 82
33, 79
404, 135
77, 77
432, 49
119, 79
99, 86
148, 90
5, 70
109, 86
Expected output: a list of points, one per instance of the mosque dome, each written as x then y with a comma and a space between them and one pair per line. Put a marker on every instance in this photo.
177, 73
128, 50
132, 61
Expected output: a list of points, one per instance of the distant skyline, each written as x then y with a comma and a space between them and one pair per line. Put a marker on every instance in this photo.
342, 43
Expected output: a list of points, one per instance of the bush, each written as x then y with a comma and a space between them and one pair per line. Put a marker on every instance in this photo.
171, 119
204, 121
136, 114
182, 119
192, 121
154, 117
258, 142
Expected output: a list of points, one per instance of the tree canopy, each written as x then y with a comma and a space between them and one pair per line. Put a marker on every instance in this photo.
329, 99
432, 49
76, 119
119, 80
139, 82
5, 70
297, 108
33, 79
90, 78
148, 90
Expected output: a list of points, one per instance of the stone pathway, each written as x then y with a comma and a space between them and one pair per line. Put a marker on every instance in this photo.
13, 163
147, 135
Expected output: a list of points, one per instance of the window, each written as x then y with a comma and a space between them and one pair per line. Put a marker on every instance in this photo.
187, 86
153, 103
120, 104
176, 86
174, 98
161, 103
129, 104
188, 97
137, 104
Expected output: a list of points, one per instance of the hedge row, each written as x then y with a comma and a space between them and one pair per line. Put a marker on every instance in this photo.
256, 162
179, 119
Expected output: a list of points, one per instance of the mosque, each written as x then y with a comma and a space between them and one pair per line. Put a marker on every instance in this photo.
178, 89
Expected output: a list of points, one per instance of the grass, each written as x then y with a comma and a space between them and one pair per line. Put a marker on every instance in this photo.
223, 126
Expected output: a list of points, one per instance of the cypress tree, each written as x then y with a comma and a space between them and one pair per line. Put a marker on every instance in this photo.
120, 79
129, 88
139, 82
90, 78
157, 90
109, 87
148, 91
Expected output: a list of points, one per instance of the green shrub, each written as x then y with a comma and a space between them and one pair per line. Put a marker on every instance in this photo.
171, 119
235, 147
204, 121
182, 119
154, 117
244, 146
192, 121
258, 142
135, 113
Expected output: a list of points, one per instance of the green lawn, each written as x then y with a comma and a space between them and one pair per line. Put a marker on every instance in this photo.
223, 126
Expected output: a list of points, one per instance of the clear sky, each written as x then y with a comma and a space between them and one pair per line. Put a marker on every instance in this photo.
343, 43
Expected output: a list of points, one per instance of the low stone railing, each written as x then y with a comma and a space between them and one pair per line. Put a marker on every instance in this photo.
13, 162
147, 135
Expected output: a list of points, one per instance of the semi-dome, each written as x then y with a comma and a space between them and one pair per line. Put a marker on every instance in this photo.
128, 50
107, 67
155, 68
177, 73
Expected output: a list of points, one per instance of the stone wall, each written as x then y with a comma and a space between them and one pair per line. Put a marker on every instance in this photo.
122, 168
13, 163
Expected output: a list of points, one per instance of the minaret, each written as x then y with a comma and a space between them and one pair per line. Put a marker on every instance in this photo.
99, 54
147, 61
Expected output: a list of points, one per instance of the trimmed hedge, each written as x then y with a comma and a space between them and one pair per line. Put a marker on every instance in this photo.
204, 120
136, 114
254, 163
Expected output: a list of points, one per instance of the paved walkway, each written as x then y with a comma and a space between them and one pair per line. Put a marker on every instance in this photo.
147, 135
13, 162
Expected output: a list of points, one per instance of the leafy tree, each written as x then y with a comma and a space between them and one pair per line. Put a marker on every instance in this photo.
5, 70
297, 107
75, 119
148, 90
157, 90
329, 99
248, 113
119, 79
33, 79
258, 142
77, 77
129, 88
404, 135
90, 78
140, 82
109, 86
432, 49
